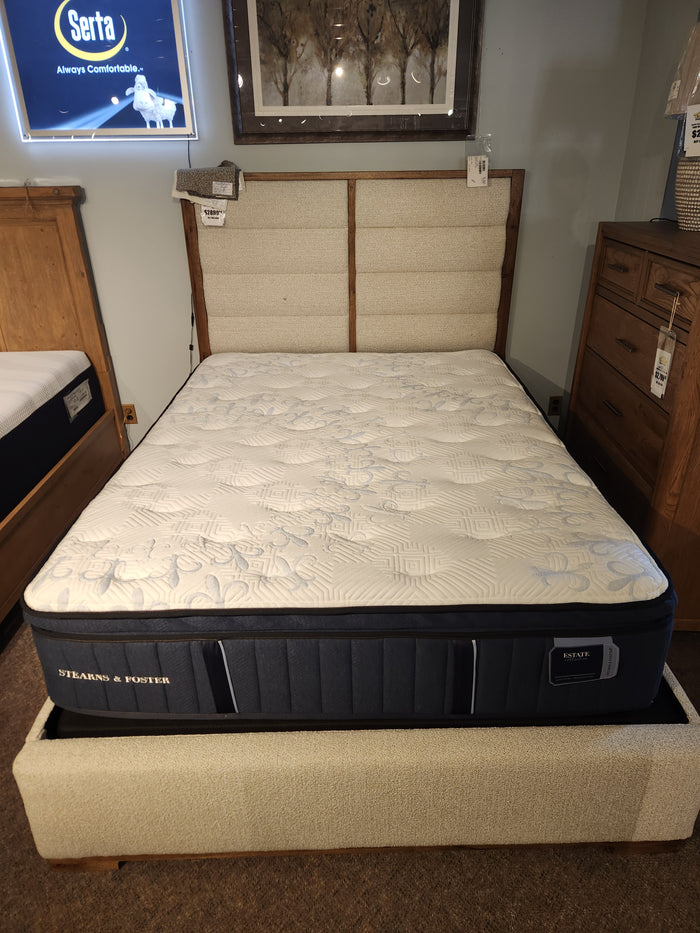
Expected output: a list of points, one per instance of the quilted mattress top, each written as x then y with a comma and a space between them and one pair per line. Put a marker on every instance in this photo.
311, 481
30, 378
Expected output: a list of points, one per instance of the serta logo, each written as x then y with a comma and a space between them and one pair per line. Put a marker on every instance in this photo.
83, 27
96, 28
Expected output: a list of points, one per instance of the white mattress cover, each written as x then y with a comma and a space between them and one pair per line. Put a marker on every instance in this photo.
280, 481
30, 378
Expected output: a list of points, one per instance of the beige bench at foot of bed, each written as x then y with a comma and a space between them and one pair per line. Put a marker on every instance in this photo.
93, 802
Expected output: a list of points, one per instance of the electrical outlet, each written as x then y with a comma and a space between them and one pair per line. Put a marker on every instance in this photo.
129, 413
554, 405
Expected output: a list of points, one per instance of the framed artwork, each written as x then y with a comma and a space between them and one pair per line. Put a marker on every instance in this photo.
353, 70
119, 72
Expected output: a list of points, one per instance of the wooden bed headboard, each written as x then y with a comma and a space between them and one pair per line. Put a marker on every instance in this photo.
366, 261
47, 294
48, 302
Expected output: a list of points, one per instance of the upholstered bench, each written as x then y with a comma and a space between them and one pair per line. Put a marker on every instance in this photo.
93, 802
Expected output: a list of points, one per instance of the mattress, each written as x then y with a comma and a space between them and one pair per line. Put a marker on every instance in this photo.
351, 538
48, 400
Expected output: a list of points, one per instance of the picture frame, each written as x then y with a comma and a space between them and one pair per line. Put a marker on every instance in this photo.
120, 73
303, 71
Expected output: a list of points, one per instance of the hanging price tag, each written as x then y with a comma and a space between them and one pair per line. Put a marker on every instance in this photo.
692, 131
662, 364
214, 212
664, 353
477, 171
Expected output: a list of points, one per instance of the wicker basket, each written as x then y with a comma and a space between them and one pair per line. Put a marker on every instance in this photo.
688, 194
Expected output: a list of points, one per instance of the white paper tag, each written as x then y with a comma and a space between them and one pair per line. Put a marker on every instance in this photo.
692, 131
675, 90
477, 171
222, 188
213, 216
662, 364
77, 399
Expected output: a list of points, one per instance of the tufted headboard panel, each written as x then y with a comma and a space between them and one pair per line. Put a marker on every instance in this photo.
357, 261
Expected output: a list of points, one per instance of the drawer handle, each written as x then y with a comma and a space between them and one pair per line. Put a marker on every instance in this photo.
613, 408
618, 267
667, 290
626, 345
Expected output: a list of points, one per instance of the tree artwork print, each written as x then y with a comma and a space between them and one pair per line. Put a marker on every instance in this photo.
352, 70
388, 54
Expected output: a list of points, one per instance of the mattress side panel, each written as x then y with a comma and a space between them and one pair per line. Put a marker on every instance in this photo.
36, 444
356, 677
518, 676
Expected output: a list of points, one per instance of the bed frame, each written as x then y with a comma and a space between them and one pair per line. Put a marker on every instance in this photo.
48, 302
95, 802
351, 250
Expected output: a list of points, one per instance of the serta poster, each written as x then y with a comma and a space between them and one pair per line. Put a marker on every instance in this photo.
98, 68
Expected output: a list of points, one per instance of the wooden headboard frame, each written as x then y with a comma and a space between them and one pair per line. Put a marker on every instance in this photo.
48, 299
395, 192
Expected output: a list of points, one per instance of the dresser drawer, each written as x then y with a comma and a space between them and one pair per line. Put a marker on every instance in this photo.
632, 422
621, 268
616, 478
665, 279
629, 345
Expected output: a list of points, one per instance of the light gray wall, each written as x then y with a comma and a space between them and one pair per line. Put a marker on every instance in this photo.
651, 136
558, 89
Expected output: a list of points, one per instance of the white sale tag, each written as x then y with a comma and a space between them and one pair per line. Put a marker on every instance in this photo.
662, 363
213, 216
477, 171
692, 131
213, 211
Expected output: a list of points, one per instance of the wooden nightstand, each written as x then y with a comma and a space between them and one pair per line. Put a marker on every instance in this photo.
644, 452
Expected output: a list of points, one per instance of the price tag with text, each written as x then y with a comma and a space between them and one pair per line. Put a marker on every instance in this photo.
662, 364
477, 171
692, 131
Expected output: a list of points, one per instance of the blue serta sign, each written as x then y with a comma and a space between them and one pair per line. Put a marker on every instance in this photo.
86, 66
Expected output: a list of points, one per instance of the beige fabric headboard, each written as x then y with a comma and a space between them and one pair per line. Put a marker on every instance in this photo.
380, 261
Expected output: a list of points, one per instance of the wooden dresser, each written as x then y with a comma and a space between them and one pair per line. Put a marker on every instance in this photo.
642, 451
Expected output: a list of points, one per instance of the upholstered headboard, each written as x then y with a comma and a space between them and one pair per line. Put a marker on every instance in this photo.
380, 261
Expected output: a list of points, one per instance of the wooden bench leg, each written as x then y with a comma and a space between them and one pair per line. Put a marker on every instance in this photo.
97, 863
